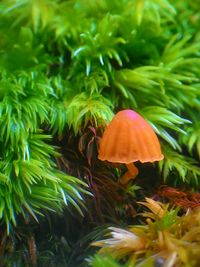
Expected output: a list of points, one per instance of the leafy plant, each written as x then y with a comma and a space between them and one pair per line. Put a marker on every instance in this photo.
166, 237
136, 54
65, 68
98, 261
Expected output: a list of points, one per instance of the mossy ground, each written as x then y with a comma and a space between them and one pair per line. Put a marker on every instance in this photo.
66, 67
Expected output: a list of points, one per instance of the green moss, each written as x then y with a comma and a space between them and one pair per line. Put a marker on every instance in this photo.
73, 64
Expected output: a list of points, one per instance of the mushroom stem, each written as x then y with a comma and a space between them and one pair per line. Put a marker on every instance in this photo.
130, 174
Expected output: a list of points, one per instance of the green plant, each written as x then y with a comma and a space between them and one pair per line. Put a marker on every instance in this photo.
166, 237
98, 261
65, 68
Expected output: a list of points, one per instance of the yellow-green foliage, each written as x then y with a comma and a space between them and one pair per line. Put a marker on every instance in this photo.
166, 238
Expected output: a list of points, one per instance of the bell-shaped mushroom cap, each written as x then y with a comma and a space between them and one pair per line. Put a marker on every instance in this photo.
129, 138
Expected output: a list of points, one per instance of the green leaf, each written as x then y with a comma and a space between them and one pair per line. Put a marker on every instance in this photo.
186, 169
85, 109
106, 261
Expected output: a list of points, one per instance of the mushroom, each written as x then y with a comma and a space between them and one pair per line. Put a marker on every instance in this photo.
129, 138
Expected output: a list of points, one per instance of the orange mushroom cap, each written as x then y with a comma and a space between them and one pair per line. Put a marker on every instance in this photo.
129, 138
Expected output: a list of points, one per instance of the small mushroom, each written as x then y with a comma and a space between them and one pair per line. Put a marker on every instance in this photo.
129, 138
